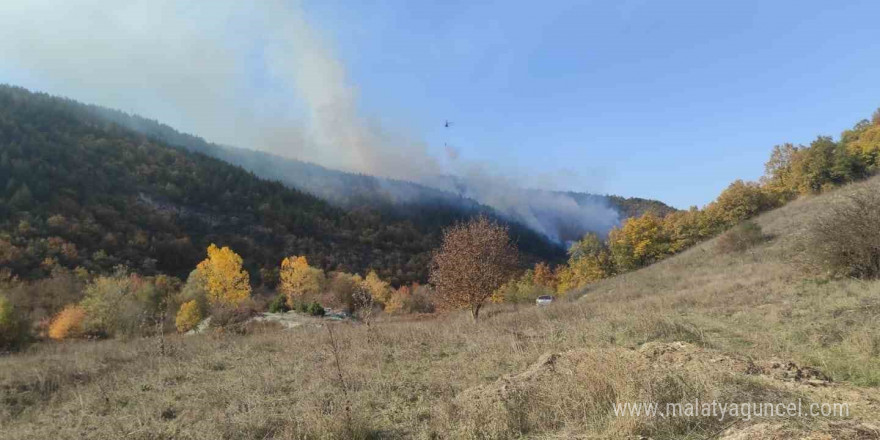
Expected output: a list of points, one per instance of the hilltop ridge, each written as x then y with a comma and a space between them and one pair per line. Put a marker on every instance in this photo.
86, 191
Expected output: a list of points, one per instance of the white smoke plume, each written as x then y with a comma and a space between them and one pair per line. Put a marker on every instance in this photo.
251, 74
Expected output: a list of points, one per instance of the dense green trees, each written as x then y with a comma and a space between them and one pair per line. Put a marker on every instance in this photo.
15, 331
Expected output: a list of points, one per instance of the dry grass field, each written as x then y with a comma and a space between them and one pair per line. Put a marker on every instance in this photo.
749, 326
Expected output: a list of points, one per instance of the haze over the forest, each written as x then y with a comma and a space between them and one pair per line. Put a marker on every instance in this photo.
368, 87
196, 66
603, 97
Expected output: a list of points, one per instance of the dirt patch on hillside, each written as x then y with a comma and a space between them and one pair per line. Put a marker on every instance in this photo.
844, 430
596, 379
690, 356
791, 372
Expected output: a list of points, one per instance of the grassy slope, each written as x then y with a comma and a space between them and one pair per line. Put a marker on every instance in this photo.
761, 302
447, 377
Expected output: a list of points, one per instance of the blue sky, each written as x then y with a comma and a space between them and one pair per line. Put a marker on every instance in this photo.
668, 100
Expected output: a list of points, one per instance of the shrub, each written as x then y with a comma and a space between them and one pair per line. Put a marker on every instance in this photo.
363, 305
188, 317
193, 290
315, 309
422, 300
845, 241
125, 304
312, 308
112, 305
279, 304
522, 290
399, 300
68, 323
342, 287
14, 330
410, 299
741, 237
41, 299
233, 319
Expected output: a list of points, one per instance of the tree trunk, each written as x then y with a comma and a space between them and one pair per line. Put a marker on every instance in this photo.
475, 311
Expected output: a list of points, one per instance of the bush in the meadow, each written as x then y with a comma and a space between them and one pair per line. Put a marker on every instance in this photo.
15, 331
279, 304
845, 240
68, 323
112, 307
188, 317
741, 237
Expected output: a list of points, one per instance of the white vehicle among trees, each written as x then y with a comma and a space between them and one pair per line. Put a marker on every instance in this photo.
544, 300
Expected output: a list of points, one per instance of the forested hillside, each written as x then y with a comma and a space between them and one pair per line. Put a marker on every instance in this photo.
424, 205
82, 191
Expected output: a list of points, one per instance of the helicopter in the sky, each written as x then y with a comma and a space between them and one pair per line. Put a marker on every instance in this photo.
447, 124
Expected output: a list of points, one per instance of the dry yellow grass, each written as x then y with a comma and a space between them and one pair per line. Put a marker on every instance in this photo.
522, 372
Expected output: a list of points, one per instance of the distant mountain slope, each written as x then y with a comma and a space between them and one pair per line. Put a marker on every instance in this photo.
404, 199
627, 206
85, 191
341, 188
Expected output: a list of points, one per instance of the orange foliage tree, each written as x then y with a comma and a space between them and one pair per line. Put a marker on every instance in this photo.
473, 261
544, 276
68, 323
398, 300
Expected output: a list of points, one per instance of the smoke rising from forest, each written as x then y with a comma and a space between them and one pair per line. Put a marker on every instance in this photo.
256, 75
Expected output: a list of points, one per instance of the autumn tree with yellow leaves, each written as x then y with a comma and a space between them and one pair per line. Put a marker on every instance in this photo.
298, 279
686, 228
589, 260
791, 171
188, 317
226, 283
864, 141
638, 242
739, 201
380, 290
397, 300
